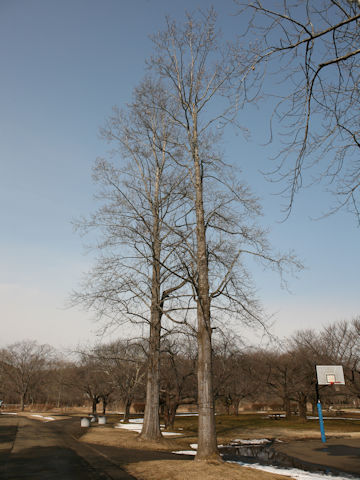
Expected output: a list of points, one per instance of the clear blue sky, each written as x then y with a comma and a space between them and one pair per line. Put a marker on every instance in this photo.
64, 64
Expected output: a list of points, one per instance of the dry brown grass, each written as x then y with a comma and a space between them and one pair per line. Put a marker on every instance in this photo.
124, 438
186, 469
171, 469
102, 435
288, 434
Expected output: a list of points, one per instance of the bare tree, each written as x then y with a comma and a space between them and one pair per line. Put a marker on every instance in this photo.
178, 382
24, 365
141, 202
200, 73
61, 383
341, 341
306, 349
91, 380
236, 373
279, 377
124, 365
312, 50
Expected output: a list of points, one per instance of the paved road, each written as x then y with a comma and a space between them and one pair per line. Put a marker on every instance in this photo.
32, 450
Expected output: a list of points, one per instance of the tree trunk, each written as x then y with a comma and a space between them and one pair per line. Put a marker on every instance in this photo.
95, 401
151, 425
59, 398
127, 410
287, 407
302, 408
22, 401
170, 408
172, 414
104, 402
207, 444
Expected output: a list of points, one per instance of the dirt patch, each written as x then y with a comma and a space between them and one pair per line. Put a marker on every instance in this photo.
185, 469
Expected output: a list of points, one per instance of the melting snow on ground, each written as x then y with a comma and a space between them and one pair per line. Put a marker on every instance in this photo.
334, 418
135, 425
185, 452
48, 419
253, 441
291, 472
296, 473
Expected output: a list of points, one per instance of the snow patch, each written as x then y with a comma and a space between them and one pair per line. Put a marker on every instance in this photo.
334, 418
129, 426
185, 452
135, 425
295, 472
187, 415
49, 419
252, 441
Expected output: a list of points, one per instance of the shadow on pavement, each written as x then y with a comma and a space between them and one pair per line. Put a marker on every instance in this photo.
42, 463
341, 450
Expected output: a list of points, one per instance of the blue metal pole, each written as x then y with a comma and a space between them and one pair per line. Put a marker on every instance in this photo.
321, 421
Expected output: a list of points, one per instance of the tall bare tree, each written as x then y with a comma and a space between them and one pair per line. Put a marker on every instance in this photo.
141, 200
201, 75
311, 48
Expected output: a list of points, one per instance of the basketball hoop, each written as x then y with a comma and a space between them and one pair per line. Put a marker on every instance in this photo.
327, 375
330, 375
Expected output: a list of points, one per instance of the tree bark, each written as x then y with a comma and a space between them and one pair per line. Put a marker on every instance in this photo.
95, 401
22, 402
302, 408
151, 425
169, 411
287, 407
207, 444
127, 410
104, 402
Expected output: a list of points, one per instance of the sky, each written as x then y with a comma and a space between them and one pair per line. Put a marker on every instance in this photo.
64, 64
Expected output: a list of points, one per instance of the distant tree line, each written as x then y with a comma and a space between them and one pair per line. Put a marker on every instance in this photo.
114, 374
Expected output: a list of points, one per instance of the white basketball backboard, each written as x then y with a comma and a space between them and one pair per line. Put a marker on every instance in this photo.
330, 375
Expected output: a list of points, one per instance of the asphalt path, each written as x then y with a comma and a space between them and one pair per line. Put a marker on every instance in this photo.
36, 450
31, 449
336, 455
